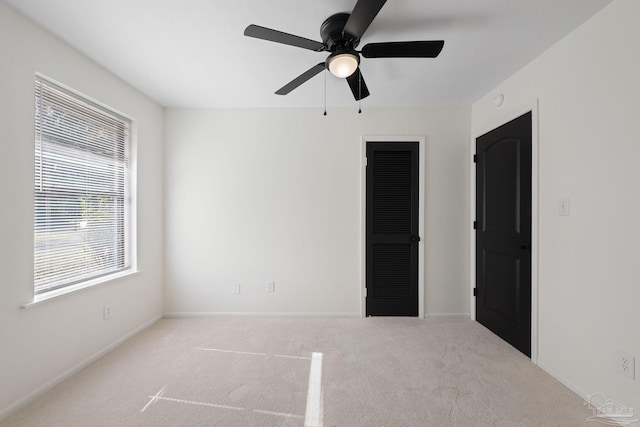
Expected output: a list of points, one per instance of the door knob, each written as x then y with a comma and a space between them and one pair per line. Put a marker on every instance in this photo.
415, 238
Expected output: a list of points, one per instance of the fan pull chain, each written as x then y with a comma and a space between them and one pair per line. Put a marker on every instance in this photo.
325, 92
359, 92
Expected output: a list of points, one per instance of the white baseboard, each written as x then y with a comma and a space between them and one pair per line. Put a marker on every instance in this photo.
447, 316
257, 314
189, 314
26, 399
570, 385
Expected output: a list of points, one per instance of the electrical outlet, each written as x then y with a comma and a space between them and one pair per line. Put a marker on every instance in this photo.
106, 312
271, 287
627, 365
563, 206
236, 288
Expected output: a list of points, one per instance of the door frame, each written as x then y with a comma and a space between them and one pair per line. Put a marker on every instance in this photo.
363, 214
499, 119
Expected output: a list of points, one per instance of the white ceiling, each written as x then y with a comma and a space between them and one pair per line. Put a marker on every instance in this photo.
192, 53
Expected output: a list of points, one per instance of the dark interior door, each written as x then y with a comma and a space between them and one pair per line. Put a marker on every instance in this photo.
392, 229
503, 232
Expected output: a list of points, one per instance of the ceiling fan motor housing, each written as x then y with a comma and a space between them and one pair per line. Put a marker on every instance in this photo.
332, 34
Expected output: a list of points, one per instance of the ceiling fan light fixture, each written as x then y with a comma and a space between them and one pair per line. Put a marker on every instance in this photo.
342, 65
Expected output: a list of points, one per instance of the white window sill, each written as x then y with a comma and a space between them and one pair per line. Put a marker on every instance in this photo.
47, 296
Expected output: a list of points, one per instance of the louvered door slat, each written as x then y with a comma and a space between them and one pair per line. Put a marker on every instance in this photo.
392, 271
392, 194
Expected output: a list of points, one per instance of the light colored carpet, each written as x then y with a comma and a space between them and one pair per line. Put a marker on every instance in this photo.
375, 372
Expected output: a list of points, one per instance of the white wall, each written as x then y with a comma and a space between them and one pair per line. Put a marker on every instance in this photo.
258, 195
43, 342
588, 86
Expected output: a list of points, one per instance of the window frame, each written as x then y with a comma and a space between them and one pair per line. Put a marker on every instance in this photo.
125, 251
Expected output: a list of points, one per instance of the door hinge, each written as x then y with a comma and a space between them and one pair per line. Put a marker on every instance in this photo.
475, 158
366, 161
365, 292
475, 225
475, 292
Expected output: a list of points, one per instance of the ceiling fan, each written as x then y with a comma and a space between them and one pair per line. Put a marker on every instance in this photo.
341, 34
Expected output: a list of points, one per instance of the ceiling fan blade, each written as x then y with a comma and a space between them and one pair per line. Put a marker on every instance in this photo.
418, 49
301, 79
264, 33
362, 16
357, 85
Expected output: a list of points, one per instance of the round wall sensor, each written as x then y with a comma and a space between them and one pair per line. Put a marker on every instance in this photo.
499, 100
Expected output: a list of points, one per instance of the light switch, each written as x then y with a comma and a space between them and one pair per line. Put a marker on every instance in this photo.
563, 206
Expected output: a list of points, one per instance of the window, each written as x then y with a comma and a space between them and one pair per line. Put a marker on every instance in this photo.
82, 190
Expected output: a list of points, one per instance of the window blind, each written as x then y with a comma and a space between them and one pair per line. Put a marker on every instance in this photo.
82, 177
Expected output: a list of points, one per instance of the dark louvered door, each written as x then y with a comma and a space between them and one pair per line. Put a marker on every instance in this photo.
392, 229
